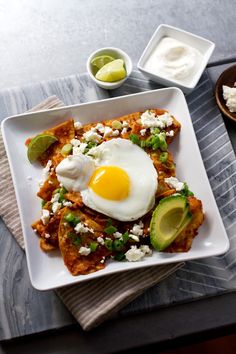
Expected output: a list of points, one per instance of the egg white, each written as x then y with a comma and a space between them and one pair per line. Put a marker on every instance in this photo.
143, 180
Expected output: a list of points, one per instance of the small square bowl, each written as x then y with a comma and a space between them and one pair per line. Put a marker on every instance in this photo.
117, 54
204, 46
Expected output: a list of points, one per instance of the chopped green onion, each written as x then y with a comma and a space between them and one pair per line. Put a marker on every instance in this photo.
143, 144
62, 192
66, 149
72, 219
56, 191
93, 246
120, 256
125, 237
89, 146
108, 244
76, 220
69, 217
135, 139
155, 131
118, 244
148, 141
43, 202
163, 143
186, 192
110, 230
116, 124
163, 157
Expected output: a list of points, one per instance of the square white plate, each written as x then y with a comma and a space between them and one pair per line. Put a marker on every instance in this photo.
47, 271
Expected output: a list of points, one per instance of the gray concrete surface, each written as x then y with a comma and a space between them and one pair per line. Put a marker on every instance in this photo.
46, 39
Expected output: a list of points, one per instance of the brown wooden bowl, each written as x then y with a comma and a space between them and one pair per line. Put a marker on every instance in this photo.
228, 78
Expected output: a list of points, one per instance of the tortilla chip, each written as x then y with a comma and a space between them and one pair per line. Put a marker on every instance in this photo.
64, 132
48, 187
75, 262
184, 240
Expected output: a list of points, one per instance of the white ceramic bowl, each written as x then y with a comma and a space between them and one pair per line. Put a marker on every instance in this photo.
117, 54
205, 47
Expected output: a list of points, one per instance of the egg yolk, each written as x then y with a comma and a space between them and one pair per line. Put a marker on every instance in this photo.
110, 182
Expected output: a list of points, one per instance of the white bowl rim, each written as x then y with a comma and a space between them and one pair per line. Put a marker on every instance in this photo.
174, 82
119, 51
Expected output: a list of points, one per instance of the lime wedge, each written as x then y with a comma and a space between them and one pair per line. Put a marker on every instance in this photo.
113, 71
101, 60
38, 145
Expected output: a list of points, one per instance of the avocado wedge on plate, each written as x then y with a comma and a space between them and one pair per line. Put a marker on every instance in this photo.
169, 219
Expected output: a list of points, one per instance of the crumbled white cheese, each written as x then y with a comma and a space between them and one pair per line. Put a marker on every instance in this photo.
115, 132
170, 133
47, 235
143, 131
45, 216
46, 169
50, 182
92, 136
67, 203
134, 254
75, 142
77, 150
173, 182
229, 94
100, 240
102, 260
134, 237
137, 229
125, 124
56, 206
149, 119
84, 251
117, 234
124, 131
55, 197
77, 125
100, 127
146, 249
81, 228
107, 132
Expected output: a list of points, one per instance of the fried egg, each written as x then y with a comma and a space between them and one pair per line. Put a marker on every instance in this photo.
117, 179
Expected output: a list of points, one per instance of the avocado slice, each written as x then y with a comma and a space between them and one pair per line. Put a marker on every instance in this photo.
169, 218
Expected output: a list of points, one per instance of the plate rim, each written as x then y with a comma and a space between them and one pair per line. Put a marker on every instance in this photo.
138, 264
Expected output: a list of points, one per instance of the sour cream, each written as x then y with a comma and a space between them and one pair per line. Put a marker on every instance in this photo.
174, 60
74, 172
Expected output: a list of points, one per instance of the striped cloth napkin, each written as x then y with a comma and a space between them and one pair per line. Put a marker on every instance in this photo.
94, 301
